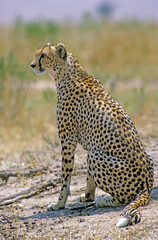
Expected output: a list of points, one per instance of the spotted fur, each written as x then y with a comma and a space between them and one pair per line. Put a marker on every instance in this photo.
86, 114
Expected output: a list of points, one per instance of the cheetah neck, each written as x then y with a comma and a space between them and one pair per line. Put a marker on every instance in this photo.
72, 69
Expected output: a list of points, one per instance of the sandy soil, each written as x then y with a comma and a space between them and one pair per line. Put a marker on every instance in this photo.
29, 218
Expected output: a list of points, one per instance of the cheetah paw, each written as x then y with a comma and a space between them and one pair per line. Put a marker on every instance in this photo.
86, 198
54, 207
83, 198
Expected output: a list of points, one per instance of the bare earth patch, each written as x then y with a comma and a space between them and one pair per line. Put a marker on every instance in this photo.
29, 218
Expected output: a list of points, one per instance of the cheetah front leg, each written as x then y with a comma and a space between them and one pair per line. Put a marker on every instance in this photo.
89, 194
68, 150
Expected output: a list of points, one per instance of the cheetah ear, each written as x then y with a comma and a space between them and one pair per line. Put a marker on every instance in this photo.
61, 50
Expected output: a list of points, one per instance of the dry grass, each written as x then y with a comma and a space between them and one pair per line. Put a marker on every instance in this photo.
124, 56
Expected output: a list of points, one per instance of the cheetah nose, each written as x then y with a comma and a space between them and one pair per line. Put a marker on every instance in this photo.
33, 65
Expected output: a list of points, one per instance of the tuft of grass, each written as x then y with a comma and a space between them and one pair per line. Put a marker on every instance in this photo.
13, 92
37, 29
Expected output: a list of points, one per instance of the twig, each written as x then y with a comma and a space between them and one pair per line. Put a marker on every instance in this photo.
82, 206
26, 172
32, 191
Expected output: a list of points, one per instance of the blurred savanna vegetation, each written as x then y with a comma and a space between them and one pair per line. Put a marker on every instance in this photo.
124, 56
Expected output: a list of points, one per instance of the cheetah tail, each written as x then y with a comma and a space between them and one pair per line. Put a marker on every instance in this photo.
130, 214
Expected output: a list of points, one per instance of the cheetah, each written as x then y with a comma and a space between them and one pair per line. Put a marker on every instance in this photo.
116, 160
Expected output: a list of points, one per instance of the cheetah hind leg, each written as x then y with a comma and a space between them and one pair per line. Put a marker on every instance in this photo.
107, 201
130, 214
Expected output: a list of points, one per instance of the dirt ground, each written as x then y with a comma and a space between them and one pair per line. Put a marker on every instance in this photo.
29, 218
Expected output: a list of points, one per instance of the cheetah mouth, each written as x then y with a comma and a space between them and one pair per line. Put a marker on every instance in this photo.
39, 72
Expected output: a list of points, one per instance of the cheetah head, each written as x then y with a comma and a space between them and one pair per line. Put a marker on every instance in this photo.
49, 59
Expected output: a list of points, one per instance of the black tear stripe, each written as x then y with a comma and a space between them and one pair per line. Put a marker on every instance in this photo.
41, 69
147, 184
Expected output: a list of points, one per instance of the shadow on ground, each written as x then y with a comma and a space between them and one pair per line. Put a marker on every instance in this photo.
81, 211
